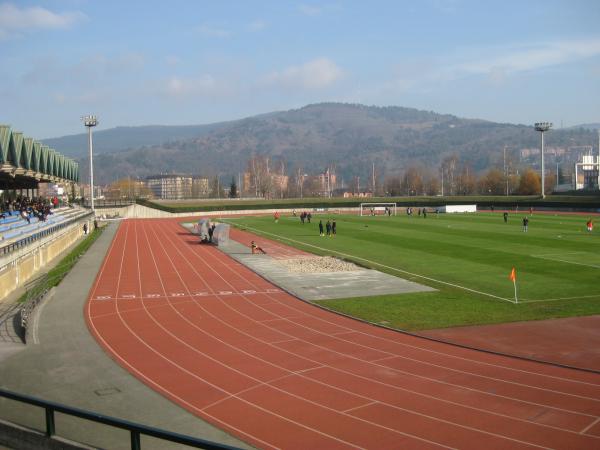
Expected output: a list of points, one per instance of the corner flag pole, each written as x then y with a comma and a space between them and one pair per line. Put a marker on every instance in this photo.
513, 278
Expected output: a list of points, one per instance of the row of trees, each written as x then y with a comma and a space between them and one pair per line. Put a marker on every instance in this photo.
420, 181
267, 179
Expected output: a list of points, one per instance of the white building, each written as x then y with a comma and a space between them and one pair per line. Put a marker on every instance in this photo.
586, 172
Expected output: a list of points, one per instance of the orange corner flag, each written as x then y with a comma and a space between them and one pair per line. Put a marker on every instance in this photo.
513, 275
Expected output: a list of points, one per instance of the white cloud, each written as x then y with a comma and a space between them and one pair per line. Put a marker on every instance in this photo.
211, 31
15, 20
315, 74
172, 60
527, 58
496, 65
257, 25
51, 70
310, 10
198, 86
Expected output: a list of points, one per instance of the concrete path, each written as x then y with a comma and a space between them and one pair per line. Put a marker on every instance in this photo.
69, 367
324, 285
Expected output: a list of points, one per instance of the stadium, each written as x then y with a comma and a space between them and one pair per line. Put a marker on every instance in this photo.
299, 225
320, 340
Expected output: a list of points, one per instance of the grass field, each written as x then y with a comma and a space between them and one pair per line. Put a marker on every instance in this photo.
467, 257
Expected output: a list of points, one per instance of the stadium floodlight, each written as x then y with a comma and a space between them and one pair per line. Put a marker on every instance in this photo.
543, 127
90, 122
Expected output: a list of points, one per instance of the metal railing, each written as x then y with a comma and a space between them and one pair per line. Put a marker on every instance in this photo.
35, 294
23, 242
136, 430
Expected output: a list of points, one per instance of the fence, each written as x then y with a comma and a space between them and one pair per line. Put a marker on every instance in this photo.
23, 242
135, 430
37, 292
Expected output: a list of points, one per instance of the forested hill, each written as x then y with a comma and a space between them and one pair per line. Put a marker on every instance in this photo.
349, 136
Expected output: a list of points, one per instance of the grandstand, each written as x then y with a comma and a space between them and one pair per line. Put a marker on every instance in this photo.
33, 230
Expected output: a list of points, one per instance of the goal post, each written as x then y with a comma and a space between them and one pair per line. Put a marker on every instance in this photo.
377, 209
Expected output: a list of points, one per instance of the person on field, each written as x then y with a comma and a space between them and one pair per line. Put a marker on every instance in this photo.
328, 228
302, 217
320, 228
308, 217
85, 228
505, 215
333, 228
424, 213
256, 249
276, 216
590, 225
525, 224
211, 231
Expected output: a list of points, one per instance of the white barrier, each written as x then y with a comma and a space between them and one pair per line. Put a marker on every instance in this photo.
458, 208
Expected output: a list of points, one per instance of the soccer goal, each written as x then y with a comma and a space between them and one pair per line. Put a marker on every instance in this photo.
377, 209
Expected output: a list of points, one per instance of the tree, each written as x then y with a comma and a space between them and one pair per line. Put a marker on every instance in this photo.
549, 182
412, 181
530, 183
260, 175
492, 183
215, 187
233, 193
449, 167
393, 185
431, 182
466, 182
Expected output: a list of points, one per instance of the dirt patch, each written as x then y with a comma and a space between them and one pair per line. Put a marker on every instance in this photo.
317, 264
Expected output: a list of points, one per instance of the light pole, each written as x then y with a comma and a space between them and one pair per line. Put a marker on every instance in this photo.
89, 122
542, 127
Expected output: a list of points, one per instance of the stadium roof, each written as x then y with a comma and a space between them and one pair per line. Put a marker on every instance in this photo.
24, 162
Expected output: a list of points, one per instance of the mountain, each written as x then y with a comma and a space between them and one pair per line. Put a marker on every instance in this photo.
588, 126
349, 136
124, 138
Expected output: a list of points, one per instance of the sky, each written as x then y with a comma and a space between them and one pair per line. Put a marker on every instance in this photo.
182, 62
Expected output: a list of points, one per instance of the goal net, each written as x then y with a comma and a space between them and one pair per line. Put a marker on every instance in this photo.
377, 209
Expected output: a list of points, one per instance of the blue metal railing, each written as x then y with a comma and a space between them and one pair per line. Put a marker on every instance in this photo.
9, 248
136, 430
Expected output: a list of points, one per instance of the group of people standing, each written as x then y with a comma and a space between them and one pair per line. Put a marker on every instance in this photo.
330, 228
409, 212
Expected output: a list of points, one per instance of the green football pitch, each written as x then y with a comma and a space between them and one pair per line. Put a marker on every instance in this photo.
466, 257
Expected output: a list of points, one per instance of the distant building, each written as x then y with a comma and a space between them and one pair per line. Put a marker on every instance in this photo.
326, 183
200, 187
271, 185
586, 172
280, 184
358, 194
170, 186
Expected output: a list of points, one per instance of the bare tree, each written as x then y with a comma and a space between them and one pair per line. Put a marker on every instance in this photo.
412, 181
449, 169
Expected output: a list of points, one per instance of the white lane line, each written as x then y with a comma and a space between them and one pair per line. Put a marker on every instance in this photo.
384, 266
567, 261
458, 357
324, 406
371, 380
589, 427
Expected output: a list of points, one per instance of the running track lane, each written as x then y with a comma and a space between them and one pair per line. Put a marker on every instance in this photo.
277, 372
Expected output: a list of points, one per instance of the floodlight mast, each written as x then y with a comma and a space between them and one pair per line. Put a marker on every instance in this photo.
90, 122
543, 127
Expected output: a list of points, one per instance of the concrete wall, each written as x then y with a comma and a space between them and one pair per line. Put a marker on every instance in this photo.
143, 212
25, 263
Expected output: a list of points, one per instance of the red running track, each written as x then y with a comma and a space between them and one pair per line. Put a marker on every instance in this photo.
277, 372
